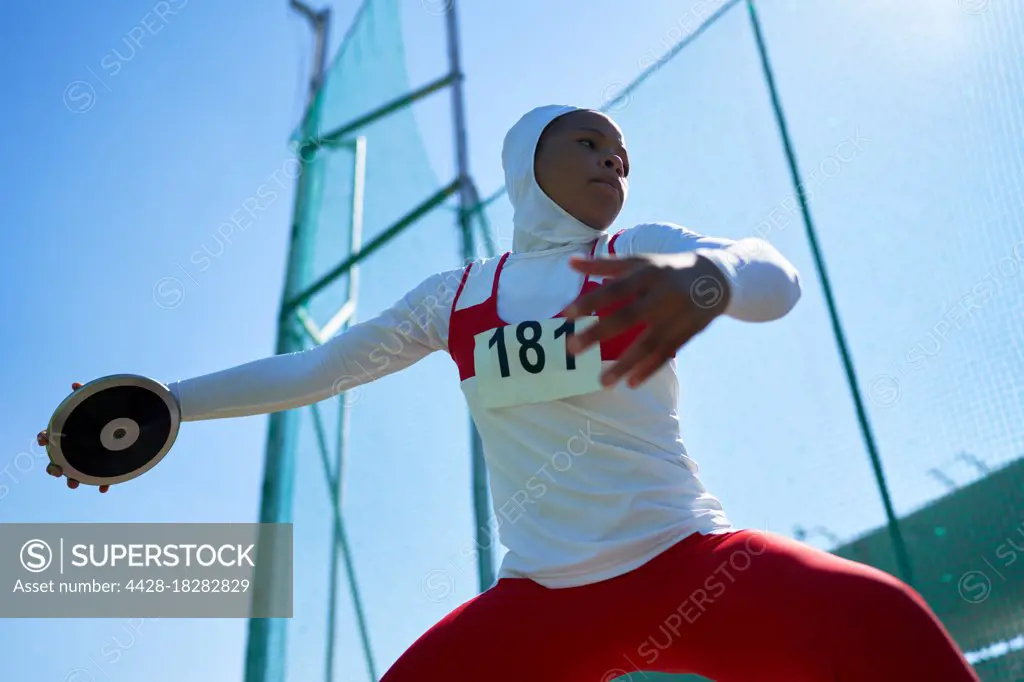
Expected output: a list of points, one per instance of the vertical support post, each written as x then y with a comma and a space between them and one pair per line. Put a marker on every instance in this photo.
895, 535
266, 644
352, 286
481, 498
338, 542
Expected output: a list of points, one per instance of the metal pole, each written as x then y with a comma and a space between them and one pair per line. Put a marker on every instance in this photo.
266, 644
339, 542
320, 22
898, 545
481, 501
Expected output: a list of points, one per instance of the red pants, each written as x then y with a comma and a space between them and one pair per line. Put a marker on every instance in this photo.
746, 606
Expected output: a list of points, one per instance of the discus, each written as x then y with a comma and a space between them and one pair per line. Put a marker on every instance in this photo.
113, 429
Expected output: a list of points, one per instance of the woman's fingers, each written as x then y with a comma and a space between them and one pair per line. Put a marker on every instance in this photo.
644, 369
635, 282
642, 347
671, 339
43, 437
608, 326
57, 472
54, 470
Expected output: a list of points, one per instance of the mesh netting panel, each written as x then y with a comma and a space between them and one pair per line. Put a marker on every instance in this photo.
923, 234
400, 464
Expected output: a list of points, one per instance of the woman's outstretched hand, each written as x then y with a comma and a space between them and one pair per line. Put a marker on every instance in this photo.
43, 439
674, 296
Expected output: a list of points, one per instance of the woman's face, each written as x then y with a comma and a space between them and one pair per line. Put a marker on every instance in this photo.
582, 166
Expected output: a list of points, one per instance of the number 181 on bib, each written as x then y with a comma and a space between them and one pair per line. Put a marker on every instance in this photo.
528, 362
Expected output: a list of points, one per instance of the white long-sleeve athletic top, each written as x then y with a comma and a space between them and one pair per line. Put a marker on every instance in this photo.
585, 487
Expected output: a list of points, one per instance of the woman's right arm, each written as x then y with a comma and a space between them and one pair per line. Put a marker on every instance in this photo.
414, 327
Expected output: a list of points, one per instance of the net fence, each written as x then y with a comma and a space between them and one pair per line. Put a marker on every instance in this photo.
398, 463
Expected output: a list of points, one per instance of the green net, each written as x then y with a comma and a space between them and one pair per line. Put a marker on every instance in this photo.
906, 122
349, 587
925, 243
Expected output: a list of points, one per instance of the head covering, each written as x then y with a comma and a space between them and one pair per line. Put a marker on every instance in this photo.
538, 222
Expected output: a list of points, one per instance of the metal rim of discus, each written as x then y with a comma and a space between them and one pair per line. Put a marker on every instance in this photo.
133, 436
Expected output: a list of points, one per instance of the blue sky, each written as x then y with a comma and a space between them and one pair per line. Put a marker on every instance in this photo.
132, 138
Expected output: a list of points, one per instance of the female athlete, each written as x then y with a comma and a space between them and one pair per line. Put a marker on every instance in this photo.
619, 560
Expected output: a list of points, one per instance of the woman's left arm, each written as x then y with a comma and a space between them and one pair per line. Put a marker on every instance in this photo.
676, 282
763, 285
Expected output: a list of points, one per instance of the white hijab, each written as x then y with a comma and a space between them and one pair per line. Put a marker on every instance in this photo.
538, 222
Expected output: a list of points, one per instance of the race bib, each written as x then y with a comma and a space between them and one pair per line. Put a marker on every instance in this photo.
528, 363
